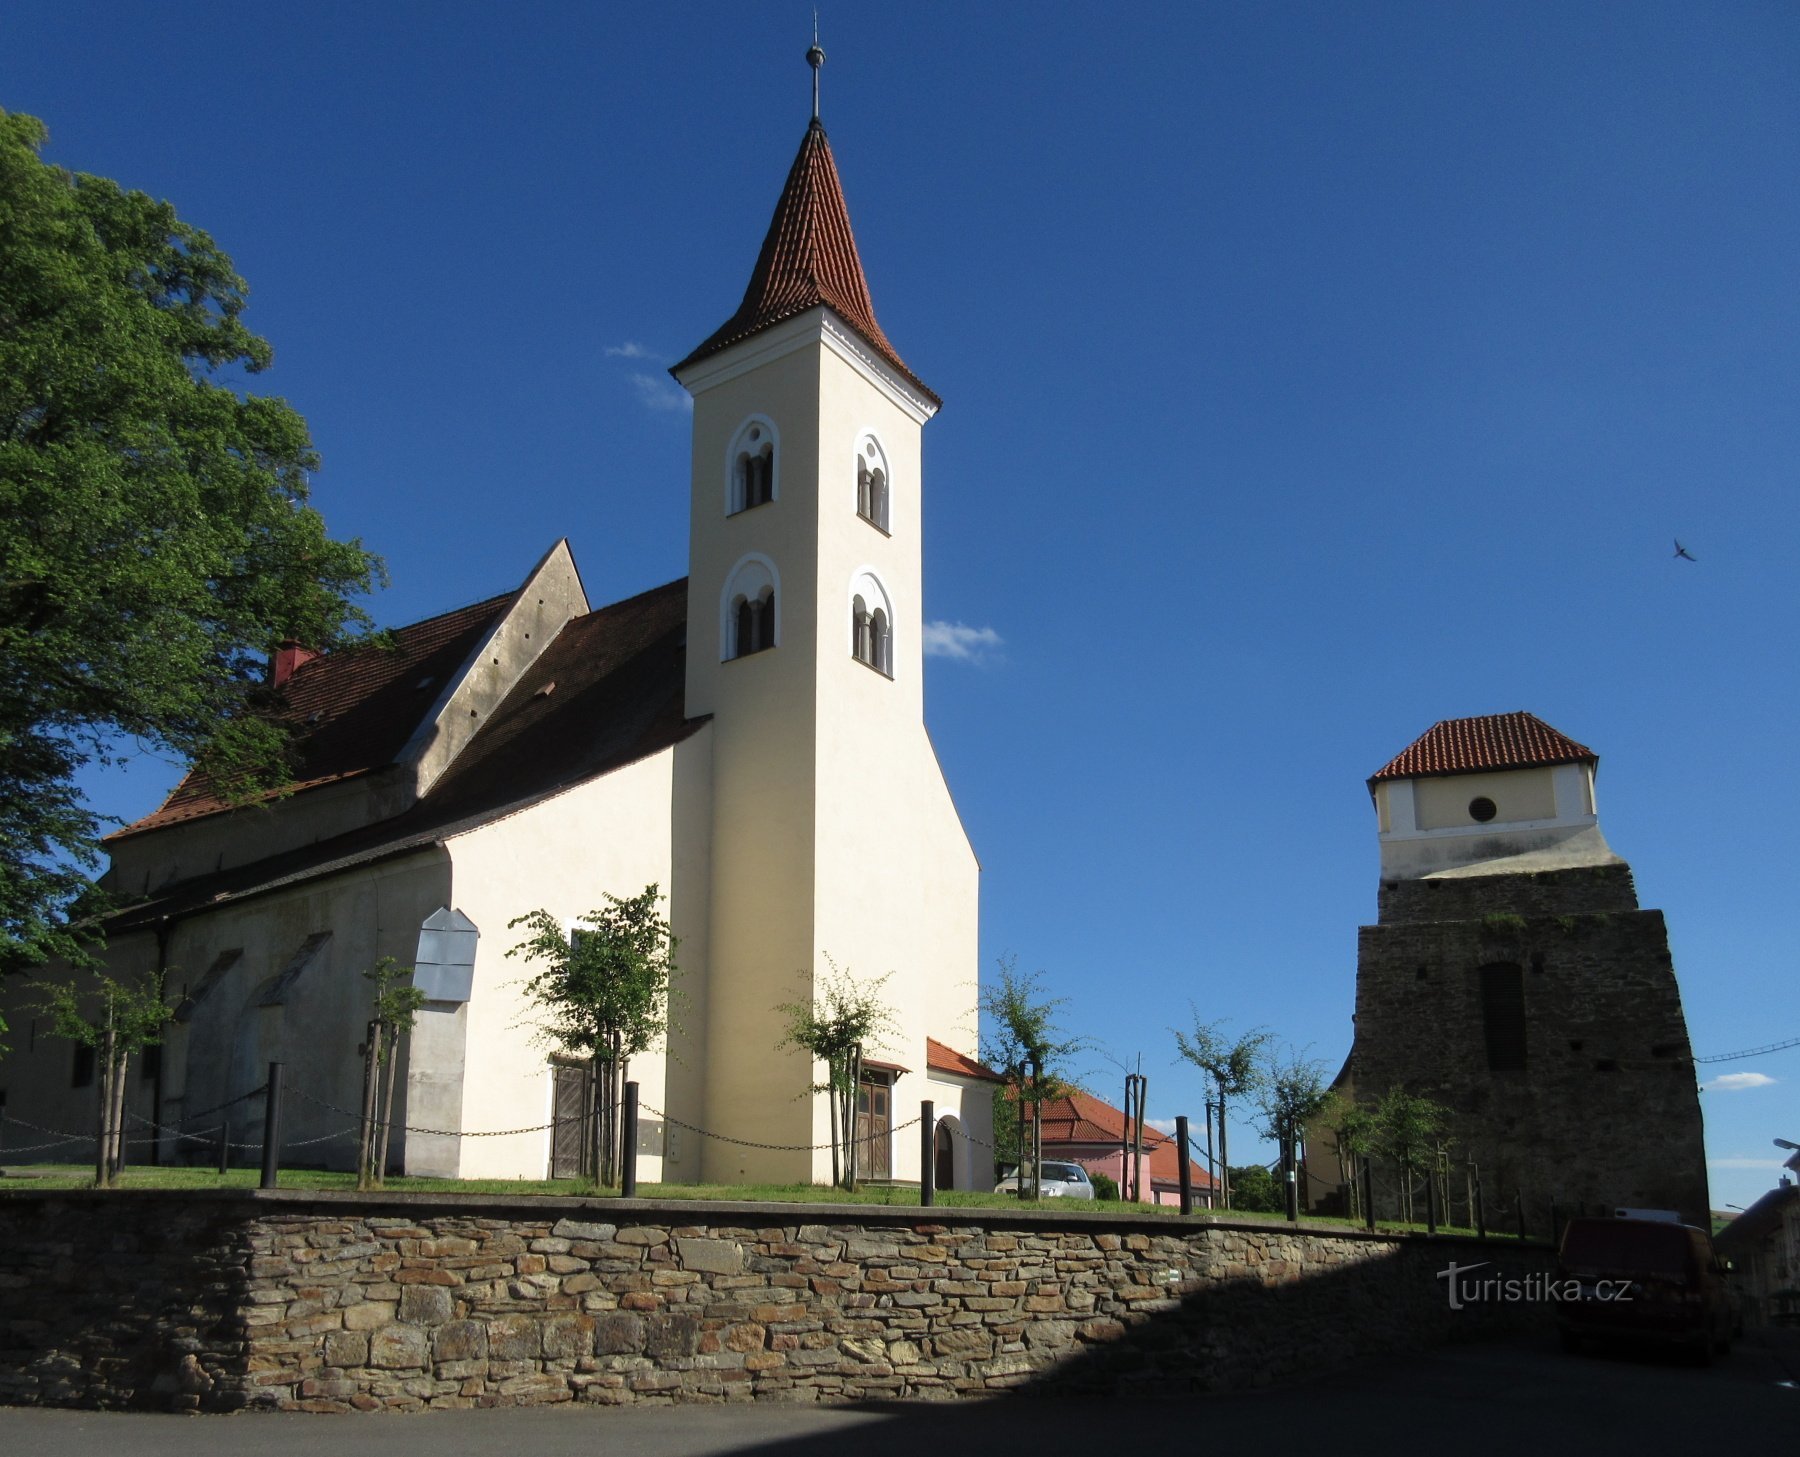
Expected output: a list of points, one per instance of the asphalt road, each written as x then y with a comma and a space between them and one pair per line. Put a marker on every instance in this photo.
1522, 1400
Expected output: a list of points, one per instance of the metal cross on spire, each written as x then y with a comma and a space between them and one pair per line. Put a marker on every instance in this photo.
815, 58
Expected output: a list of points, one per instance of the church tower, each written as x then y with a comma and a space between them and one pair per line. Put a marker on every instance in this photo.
1513, 978
833, 840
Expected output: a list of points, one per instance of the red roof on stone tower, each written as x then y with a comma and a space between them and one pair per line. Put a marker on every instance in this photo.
809, 258
1471, 745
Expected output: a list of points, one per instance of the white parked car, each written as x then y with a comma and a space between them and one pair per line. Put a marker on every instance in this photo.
1056, 1181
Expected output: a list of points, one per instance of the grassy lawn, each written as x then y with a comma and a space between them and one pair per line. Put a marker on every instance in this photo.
81, 1176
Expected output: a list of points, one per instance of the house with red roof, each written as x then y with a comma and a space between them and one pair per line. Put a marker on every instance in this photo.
749, 739
1512, 977
1080, 1128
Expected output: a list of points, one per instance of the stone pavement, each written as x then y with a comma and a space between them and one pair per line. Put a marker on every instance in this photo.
1522, 1396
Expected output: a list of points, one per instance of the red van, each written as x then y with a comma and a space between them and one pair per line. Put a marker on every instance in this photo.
1644, 1280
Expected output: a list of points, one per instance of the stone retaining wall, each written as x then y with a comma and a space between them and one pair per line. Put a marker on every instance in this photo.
327, 1302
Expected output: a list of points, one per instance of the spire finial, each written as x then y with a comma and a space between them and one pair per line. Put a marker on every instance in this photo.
815, 58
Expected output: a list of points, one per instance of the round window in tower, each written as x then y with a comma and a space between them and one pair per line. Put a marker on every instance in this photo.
1482, 809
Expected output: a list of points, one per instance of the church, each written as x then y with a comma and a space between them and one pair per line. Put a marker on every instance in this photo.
750, 739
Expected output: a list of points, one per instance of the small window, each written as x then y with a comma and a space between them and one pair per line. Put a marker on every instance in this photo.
755, 620
750, 610
752, 466
871, 624
150, 1063
81, 1075
1482, 809
1503, 1016
872, 482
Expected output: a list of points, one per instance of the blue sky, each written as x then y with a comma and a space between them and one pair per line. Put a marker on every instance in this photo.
1312, 373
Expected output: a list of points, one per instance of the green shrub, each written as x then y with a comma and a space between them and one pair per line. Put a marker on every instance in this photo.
1104, 1187
1500, 925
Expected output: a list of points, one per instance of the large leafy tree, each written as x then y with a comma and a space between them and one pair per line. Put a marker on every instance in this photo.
155, 541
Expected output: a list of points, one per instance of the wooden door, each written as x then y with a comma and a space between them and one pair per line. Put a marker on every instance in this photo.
569, 1139
873, 1124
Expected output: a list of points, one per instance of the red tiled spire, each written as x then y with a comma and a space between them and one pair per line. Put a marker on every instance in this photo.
808, 258
1470, 745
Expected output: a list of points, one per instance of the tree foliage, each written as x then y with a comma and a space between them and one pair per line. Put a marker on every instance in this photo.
155, 541
1291, 1093
602, 993
1256, 1189
841, 1021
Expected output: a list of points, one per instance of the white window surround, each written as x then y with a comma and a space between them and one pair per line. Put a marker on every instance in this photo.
748, 579
872, 467
755, 434
867, 590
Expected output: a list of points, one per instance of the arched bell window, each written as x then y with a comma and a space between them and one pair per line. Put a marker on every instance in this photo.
872, 481
750, 617
871, 624
751, 466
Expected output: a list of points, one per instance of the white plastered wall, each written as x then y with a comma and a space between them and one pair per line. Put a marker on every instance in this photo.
608, 835
1544, 820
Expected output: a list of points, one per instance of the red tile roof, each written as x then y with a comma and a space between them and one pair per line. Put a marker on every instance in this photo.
1470, 745
352, 711
939, 1058
808, 258
607, 692
1082, 1118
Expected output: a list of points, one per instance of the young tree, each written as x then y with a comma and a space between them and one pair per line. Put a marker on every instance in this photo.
116, 1019
1408, 1129
1292, 1094
1354, 1130
155, 541
1023, 1037
1236, 1069
602, 991
841, 1021
394, 1011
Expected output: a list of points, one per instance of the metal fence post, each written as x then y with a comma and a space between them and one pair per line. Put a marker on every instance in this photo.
1187, 1174
1290, 1178
1480, 1211
1368, 1183
927, 1154
1431, 1209
271, 1163
628, 1142
225, 1144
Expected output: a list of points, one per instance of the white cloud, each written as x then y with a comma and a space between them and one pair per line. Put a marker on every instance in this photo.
1735, 1082
1161, 1125
1745, 1164
630, 349
964, 644
660, 394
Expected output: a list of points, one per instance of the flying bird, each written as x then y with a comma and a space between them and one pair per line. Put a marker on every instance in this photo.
1682, 552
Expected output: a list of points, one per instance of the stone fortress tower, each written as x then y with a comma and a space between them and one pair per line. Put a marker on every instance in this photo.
1513, 977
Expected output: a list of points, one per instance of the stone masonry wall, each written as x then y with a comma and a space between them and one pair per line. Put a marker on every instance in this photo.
1606, 1109
332, 1303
